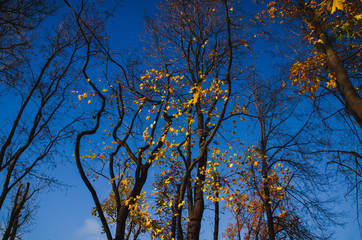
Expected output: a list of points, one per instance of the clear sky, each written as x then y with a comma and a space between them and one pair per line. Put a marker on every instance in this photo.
66, 214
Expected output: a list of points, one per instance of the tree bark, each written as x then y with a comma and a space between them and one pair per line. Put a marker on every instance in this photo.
174, 213
352, 99
197, 210
216, 216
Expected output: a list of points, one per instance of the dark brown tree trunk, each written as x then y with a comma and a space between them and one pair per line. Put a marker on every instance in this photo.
15, 229
174, 213
195, 217
197, 210
216, 216
3, 195
180, 235
239, 231
173, 225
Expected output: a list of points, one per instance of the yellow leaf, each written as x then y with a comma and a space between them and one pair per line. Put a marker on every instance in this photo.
337, 5
358, 17
89, 101
181, 204
331, 84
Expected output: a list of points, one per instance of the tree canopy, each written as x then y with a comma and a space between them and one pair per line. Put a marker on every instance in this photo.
239, 117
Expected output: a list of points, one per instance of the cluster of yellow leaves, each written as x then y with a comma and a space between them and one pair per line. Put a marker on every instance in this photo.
140, 212
151, 78
238, 109
92, 156
81, 96
206, 94
307, 75
286, 8
139, 209
165, 194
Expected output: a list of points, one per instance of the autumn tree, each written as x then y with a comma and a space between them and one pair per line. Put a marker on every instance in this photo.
198, 40
166, 193
135, 112
276, 197
327, 40
163, 138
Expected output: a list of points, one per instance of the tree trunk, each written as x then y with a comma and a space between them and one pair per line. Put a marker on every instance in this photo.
194, 224
352, 99
216, 217
174, 213
197, 210
267, 201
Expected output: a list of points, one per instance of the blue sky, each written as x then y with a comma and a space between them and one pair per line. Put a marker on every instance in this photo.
65, 214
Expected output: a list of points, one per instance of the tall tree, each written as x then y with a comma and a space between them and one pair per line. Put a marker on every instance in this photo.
328, 68
276, 196
136, 145
198, 40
